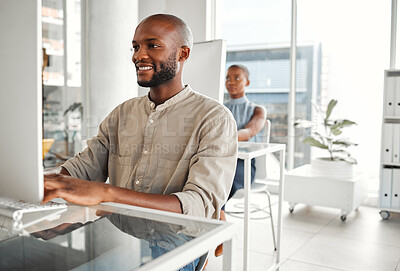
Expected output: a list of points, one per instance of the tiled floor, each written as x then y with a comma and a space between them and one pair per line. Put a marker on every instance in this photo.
314, 238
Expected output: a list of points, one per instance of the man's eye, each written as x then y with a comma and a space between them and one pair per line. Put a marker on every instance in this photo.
135, 48
153, 46
237, 78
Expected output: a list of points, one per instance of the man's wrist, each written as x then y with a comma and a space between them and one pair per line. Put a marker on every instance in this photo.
108, 193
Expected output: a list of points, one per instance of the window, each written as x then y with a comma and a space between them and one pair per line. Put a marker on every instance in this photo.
269, 77
343, 50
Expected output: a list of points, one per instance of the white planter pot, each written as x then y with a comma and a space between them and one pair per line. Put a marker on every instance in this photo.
324, 166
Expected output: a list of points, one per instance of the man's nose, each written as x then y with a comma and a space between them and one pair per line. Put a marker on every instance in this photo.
139, 55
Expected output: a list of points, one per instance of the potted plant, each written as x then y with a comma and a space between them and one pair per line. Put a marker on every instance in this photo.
326, 135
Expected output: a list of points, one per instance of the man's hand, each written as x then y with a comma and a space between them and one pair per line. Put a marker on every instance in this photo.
73, 190
56, 231
84, 192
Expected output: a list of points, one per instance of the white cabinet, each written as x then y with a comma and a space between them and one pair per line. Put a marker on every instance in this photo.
389, 190
302, 185
61, 28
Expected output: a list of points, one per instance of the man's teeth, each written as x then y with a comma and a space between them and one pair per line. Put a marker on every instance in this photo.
145, 68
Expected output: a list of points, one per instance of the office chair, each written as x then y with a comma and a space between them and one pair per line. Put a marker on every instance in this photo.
260, 181
202, 262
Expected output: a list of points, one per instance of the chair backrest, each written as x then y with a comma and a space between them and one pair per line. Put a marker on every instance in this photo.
202, 262
261, 161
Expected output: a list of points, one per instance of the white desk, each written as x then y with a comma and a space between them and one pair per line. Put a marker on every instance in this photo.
127, 238
247, 151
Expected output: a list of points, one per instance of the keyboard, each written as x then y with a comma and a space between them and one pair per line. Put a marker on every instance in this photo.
16, 209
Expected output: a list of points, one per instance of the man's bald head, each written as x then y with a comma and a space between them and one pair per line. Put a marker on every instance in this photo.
183, 35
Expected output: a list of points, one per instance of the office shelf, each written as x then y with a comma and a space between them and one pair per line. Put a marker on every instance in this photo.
61, 39
389, 188
51, 20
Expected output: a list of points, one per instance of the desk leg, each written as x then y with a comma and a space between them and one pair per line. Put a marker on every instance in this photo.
280, 201
247, 178
228, 264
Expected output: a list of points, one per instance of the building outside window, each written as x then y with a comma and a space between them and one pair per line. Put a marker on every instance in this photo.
269, 77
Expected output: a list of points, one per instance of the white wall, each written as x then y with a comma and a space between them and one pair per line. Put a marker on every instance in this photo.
355, 43
111, 74
199, 15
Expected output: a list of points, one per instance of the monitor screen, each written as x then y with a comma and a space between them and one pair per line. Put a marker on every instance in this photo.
21, 101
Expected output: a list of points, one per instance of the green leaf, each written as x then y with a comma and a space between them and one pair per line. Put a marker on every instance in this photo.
342, 123
315, 143
336, 132
344, 143
328, 123
331, 105
349, 160
321, 137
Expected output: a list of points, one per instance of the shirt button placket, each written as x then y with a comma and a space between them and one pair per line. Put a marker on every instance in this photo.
147, 147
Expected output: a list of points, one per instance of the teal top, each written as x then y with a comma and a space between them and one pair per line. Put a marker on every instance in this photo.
242, 110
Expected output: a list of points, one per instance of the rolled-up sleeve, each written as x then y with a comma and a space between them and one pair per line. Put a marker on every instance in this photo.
211, 170
91, 163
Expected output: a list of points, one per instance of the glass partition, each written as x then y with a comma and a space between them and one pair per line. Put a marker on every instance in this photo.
62, 92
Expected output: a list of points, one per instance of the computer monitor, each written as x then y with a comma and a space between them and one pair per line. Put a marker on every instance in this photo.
21, 166
205, 68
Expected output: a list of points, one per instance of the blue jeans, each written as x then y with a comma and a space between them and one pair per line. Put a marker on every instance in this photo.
238, 181
159, 248
191, 266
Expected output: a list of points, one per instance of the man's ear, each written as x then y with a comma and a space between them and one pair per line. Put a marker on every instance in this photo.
184, 53
248, 82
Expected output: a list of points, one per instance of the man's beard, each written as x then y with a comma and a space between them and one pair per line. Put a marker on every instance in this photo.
166, 73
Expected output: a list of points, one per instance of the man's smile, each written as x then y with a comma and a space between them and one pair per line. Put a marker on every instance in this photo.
143, 68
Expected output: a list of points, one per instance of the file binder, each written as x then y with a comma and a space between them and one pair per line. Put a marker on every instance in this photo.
387, 142
397, 96
390, 96
385, 191
396, 189
396, 143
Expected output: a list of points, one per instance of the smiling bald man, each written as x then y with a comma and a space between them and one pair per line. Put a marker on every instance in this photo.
173, 149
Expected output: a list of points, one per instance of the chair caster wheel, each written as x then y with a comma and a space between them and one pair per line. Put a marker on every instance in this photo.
385, 215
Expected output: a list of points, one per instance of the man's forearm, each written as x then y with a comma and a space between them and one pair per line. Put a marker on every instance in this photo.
85, 192
168, 203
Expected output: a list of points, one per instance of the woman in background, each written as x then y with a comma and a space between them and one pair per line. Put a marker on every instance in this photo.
250, 119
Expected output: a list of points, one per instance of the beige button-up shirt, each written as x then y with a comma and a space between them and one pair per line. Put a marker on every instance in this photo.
186, 146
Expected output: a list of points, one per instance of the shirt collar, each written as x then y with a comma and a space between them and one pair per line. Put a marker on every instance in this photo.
181, 95
240, 100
